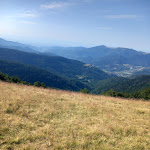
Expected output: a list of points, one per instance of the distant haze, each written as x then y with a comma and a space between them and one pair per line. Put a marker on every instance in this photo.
114, 23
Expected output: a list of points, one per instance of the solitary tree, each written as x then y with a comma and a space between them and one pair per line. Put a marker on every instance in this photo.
85, 90
38, 84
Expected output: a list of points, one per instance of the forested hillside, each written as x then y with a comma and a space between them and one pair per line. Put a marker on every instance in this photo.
58, 65
123, 84
32, 74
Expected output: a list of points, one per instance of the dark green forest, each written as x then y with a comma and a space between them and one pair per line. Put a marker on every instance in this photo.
120, 84
59, 65
32, 74
15, 79
141, 94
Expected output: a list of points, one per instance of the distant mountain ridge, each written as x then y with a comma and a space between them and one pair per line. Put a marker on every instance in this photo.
16, 45
22, 47
115, 60
123, 62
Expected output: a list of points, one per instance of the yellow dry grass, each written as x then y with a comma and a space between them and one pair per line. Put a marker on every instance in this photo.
35, 118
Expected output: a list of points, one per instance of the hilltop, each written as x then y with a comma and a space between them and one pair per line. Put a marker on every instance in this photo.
37, 118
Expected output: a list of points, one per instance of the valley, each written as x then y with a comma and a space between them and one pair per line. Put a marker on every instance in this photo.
125, 70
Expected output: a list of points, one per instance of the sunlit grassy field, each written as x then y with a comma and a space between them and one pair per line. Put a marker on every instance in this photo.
35, 118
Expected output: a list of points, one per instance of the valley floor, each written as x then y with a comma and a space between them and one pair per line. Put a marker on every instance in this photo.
35, 118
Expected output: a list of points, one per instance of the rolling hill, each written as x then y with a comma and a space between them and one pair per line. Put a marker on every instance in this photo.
119, 84
56, 64
32, 74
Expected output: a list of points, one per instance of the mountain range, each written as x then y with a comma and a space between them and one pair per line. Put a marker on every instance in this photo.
62, 67
59, 65
123, 62
120, 61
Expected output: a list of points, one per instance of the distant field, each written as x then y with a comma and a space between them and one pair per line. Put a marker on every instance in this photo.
35, 118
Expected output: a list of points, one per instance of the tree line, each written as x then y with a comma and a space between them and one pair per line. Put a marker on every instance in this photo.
14, 79
142, 94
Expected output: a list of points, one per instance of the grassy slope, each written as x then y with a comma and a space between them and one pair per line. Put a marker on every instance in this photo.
34, 118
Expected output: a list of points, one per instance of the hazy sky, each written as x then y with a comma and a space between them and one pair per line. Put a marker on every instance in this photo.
114, 23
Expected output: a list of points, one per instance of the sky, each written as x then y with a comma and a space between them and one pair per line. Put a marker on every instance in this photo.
113, 23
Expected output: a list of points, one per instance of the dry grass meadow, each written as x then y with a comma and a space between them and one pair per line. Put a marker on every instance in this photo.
43, 119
